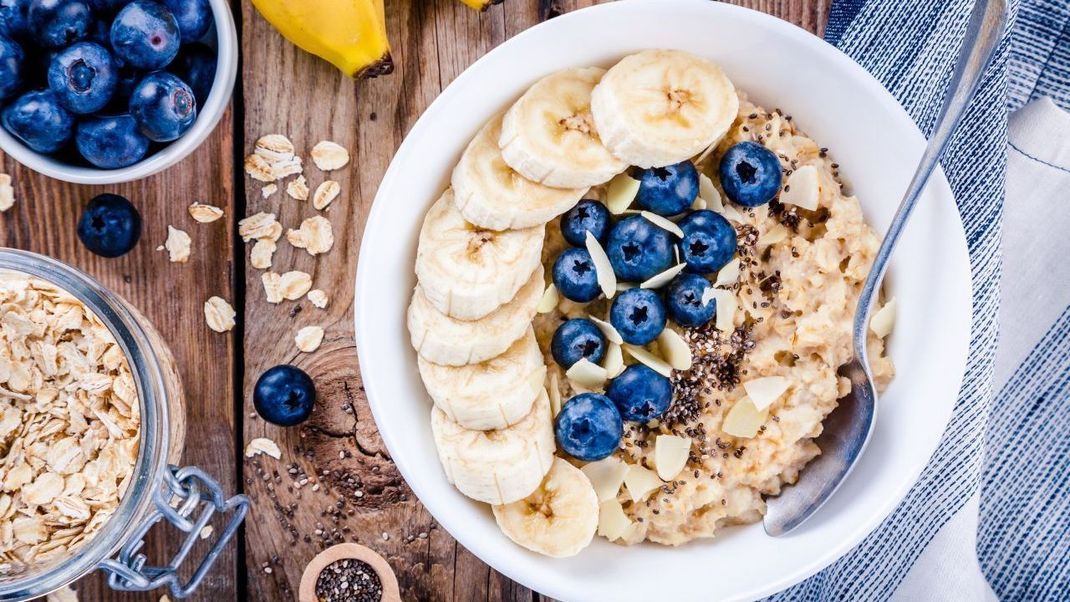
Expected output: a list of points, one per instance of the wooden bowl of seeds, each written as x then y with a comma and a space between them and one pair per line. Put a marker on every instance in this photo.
349, 572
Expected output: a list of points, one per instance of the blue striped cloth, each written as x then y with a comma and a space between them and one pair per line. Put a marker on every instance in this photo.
997, 486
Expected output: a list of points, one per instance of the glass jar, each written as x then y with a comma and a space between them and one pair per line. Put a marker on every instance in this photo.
187, 498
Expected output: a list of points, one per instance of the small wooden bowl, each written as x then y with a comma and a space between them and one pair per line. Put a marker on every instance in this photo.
342, 551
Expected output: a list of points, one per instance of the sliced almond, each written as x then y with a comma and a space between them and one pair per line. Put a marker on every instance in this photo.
731, 213
620, 192
204, 214
606, 477
726, 307
649, 360
675, 349
614, 361
802, 188
325, 194
603, 269
549, 300
261, 253
883, 321
662, 222
587, 374
709, 193
777, 233
308, 339
298, 188
612, 521
670, 455
729, 274
554, 393
329, 156
262, 445
744, 419
699, 204
641, 482
218, 314
608, 330
318, 298
660, 280
765, 390
294, 284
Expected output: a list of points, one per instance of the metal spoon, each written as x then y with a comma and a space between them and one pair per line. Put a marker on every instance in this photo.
848, 427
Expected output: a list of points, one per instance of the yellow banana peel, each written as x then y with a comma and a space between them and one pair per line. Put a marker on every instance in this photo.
481, 4
350, 34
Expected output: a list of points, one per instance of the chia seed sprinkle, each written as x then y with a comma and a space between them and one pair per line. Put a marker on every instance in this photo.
348, 580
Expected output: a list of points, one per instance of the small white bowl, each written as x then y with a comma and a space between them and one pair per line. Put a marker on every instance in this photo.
207, 117
877, 145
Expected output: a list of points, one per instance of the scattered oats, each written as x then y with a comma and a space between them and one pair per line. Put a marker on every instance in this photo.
272, 286
314, 235
284, 169
274, 147
261, 445
263, 251
219, 314
269, 190
258, 226
295, 284
308, 339
63, 594
272, 159
177, 245
206, 532
325, 194
164, 598
205, 214
259, 168
298, 188
7, 192
329, 156
318, 298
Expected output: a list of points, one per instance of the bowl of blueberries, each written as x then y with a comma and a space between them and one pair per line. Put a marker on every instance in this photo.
109, 91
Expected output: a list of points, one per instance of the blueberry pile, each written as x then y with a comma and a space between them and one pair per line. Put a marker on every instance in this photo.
590, 425
103, 82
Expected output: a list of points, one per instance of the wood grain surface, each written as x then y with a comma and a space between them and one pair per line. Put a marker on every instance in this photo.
353, 492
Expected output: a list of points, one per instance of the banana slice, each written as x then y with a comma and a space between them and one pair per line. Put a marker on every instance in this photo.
496, 467
467, 272
660, 107
548, 135
491, 195
440, 339
490, 395
559, 519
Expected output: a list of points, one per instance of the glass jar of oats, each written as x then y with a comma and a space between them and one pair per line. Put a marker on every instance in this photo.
92, 424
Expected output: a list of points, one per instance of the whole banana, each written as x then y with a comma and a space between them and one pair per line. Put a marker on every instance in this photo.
350, 34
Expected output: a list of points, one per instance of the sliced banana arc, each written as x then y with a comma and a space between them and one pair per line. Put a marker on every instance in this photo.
660, 107
548, 135
440, 339
490, 194
559, 519
501, 466
467, 272
490, 395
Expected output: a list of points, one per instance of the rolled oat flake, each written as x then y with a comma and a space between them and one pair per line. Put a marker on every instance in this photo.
348, 580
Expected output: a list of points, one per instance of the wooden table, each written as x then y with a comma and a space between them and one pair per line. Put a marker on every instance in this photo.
282, 90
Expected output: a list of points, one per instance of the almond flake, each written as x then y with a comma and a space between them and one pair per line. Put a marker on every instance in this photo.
660, 280
325, 194
648, 359
587, 374
708, 193
177, 244
549, 300
802, 188
674, 349
7, 193
256, 226
603, 269
261, 254
298, 188
318, 298
329, 156
613, 523
269, 190
670, 455
205, 214
641, 482
314, 235
262, 445
293, 285
606, 476
608, 330
554, 393
729, 274
272, 287
308, 339
219, 314
744, 419
662, 222
620, 192
698, 204
614, 361
765, 390
883, 321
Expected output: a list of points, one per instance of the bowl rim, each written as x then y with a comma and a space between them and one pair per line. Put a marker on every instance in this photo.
207, 118
365, 290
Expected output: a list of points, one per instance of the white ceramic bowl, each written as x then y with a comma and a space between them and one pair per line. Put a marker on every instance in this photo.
877, 145
207, 118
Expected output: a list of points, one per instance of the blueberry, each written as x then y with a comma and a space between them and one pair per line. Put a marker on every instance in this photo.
127, 79
577, 339
589, 427
684, 300
163, 106
638, 249
145, 35
110, 226
750, 174
586, 216
107, 7
193, 17
667, 190
39, 121
15, 18
640, 393
638, 314
83, 77
284, 395
709, 242
12, 66
196, 65
57, 23
111, 142
575, 277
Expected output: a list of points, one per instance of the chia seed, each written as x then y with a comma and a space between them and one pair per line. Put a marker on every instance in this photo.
349, 580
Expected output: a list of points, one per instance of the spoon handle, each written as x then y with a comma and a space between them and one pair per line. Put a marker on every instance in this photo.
983, 33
